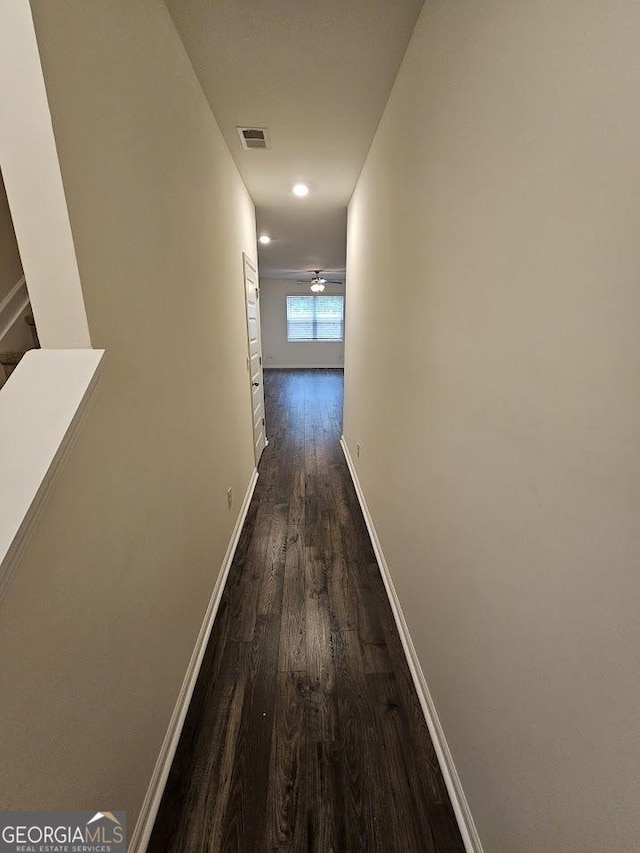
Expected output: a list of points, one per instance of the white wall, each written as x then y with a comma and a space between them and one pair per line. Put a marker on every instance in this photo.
276, 350
492, 363
103, 612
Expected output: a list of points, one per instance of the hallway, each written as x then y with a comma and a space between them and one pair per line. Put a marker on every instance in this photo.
305, 732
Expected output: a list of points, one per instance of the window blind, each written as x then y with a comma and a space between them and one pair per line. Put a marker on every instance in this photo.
315, 318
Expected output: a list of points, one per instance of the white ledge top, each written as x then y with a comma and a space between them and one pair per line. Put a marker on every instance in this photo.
40, 407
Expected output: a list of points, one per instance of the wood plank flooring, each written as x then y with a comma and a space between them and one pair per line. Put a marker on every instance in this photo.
305, 732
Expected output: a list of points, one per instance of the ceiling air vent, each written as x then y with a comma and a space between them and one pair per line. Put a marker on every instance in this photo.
254, 137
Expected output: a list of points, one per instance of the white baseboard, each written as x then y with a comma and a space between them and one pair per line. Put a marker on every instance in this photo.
303, 366
13, 306
452, 780
144, 825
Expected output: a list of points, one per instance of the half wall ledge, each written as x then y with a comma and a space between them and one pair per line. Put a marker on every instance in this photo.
41, 409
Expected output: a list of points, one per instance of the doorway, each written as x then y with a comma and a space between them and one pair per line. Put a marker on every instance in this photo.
254, 359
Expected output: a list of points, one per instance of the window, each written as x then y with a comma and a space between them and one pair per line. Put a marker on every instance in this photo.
315, 318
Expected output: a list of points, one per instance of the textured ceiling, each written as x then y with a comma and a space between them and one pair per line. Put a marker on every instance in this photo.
317, 74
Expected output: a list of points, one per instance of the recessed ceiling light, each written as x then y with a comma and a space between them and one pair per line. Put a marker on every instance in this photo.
301, 190
264, 239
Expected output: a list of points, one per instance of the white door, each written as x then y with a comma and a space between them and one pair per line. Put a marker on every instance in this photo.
252, 296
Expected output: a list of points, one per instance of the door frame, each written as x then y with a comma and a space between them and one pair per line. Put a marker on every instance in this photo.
248, 262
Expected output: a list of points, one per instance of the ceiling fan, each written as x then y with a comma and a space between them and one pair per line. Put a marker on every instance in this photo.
318, 281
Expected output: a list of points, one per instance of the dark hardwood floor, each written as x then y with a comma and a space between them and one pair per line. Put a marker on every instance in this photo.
305, 732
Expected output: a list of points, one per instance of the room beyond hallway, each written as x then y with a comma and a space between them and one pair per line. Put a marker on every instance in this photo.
304, 732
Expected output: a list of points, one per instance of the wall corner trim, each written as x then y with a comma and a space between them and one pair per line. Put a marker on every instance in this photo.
146, 819
459, 802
